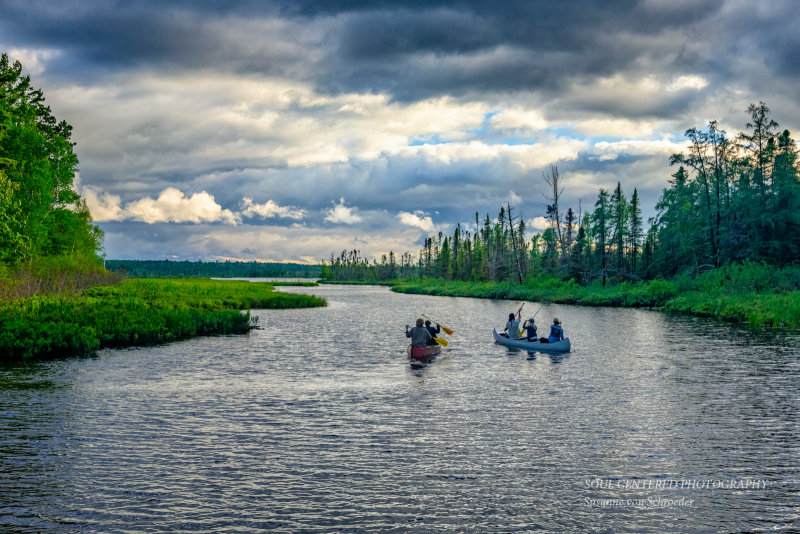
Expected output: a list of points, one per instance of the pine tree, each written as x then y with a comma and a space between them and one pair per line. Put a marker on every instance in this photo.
600, 219
634, 229
619, 225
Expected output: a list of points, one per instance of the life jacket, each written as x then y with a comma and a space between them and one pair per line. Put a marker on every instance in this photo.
556, 333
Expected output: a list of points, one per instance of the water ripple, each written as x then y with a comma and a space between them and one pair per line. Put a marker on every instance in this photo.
332, 430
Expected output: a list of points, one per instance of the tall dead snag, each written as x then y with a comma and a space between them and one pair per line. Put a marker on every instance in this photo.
553, 180
514, 244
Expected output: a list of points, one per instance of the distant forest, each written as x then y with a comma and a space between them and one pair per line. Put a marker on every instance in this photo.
730, 200
227, 269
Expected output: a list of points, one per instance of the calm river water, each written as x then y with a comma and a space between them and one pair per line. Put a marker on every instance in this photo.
317, 423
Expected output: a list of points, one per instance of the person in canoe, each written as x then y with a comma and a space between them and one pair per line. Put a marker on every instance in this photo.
556, 332
512, 326
530, 328
433, 331
419, 335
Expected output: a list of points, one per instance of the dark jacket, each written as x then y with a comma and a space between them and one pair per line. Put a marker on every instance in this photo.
556, 333
433, 331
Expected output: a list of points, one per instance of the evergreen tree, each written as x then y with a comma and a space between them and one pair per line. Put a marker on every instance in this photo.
698, 159
444, 267
600, 219
619, 225
570, 225
757, 147
786, 186
634, 229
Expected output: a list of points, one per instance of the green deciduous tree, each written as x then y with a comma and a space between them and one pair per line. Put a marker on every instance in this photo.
43, 215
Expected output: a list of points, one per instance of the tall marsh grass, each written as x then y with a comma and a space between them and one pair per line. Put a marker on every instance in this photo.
51, 276
753, 293
134, 312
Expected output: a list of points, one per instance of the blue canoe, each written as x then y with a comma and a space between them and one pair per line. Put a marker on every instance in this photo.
522, 343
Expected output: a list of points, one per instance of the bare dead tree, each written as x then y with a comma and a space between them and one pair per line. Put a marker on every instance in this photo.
554, 181
514, 243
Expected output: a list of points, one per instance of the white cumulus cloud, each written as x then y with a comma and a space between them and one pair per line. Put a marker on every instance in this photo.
172, 205
539, 223
103, 206
341, 214
519, 119
270, 209
418, 219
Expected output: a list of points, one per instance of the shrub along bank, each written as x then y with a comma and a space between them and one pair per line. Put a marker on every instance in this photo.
753, 293
135, 312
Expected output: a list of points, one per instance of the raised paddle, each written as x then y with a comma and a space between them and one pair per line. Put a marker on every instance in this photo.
534, 317
447, 331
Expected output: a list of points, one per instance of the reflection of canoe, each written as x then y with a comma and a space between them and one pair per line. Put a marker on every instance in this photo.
522, 343
423, 353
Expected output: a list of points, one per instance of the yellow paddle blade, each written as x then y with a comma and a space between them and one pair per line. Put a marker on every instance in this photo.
521, 334
448, 331
440, 341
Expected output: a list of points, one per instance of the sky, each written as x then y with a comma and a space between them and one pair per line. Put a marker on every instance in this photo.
290, 130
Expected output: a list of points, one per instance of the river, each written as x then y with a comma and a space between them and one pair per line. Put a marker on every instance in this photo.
316, 422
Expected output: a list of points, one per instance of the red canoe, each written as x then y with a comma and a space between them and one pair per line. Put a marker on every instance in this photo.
421, 353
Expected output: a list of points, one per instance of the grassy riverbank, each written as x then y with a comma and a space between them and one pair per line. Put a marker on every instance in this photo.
134, 312
751, 293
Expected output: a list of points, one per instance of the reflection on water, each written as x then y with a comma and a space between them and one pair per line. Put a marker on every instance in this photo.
317, 422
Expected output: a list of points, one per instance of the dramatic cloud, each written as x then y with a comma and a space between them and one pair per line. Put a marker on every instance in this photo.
539, 224
132, 240
203, 127
170, 206
103, 206
270, 210
417, 219
341, 214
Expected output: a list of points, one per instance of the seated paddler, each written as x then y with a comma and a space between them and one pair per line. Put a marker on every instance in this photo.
530, 329
433, 330
512, 326
556, 332
419, 334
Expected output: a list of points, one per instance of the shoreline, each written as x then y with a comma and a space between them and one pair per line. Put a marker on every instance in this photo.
729, 304
135, 312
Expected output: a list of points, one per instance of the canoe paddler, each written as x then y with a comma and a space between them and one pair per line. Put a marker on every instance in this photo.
419, 334
512, 326
556, 332
433, 330
530, 328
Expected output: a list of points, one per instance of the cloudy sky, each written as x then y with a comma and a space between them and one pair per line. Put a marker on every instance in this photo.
285, 130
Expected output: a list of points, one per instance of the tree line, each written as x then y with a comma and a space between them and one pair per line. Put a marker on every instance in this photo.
226, 269
41, 214
730, 199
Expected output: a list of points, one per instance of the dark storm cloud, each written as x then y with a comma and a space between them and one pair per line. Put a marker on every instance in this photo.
410, 50
467, 48
100, 38
416, 50
114, 37
252, 109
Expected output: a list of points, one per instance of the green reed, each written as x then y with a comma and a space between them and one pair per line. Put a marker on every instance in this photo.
135, 312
